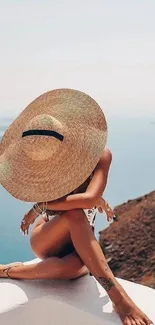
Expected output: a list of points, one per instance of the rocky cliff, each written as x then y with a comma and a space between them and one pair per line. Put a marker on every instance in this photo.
129, 242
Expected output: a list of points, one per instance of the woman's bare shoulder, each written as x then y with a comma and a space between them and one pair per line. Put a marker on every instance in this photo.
107, 154
105, 159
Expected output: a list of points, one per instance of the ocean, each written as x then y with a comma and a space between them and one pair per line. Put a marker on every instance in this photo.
132, 142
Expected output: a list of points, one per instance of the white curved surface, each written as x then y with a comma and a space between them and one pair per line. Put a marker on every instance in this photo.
81, 301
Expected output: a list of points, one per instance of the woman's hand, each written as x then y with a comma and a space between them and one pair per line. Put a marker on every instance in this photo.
102, 205
28, 219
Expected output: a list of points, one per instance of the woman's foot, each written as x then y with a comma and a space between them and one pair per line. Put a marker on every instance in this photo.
130, 314
4, 269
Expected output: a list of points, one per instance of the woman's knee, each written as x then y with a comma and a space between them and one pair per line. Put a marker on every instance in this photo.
74, 215
79, 272
73, 266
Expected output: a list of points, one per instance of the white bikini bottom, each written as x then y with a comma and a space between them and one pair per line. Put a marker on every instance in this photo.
90, 214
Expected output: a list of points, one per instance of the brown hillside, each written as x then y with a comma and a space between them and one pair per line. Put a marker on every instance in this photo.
129, 242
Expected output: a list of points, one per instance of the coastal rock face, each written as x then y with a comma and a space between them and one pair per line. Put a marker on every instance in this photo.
129, 242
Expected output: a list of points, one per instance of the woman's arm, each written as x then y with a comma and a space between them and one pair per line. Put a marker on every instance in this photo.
93, 192
86, 200
98, 183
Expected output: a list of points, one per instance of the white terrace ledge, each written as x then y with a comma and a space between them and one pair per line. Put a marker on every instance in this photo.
77, 302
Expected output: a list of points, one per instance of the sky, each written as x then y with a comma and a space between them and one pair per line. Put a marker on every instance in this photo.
104, 48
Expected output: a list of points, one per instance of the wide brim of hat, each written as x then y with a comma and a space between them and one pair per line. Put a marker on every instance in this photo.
37, 181
49, 179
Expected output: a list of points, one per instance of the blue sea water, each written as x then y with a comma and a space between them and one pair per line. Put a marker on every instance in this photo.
132, 142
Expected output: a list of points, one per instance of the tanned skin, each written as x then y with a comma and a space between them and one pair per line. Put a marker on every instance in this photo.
49, 238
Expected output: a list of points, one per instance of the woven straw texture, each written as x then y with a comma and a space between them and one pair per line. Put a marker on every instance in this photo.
43, 168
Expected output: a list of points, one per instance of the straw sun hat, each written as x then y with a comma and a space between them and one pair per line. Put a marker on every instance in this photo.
52, 146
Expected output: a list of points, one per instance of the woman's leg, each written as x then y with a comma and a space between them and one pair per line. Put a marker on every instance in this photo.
48, 241
90, 252
68, 267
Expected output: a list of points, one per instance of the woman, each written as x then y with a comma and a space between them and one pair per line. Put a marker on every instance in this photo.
63, 255
56, 241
